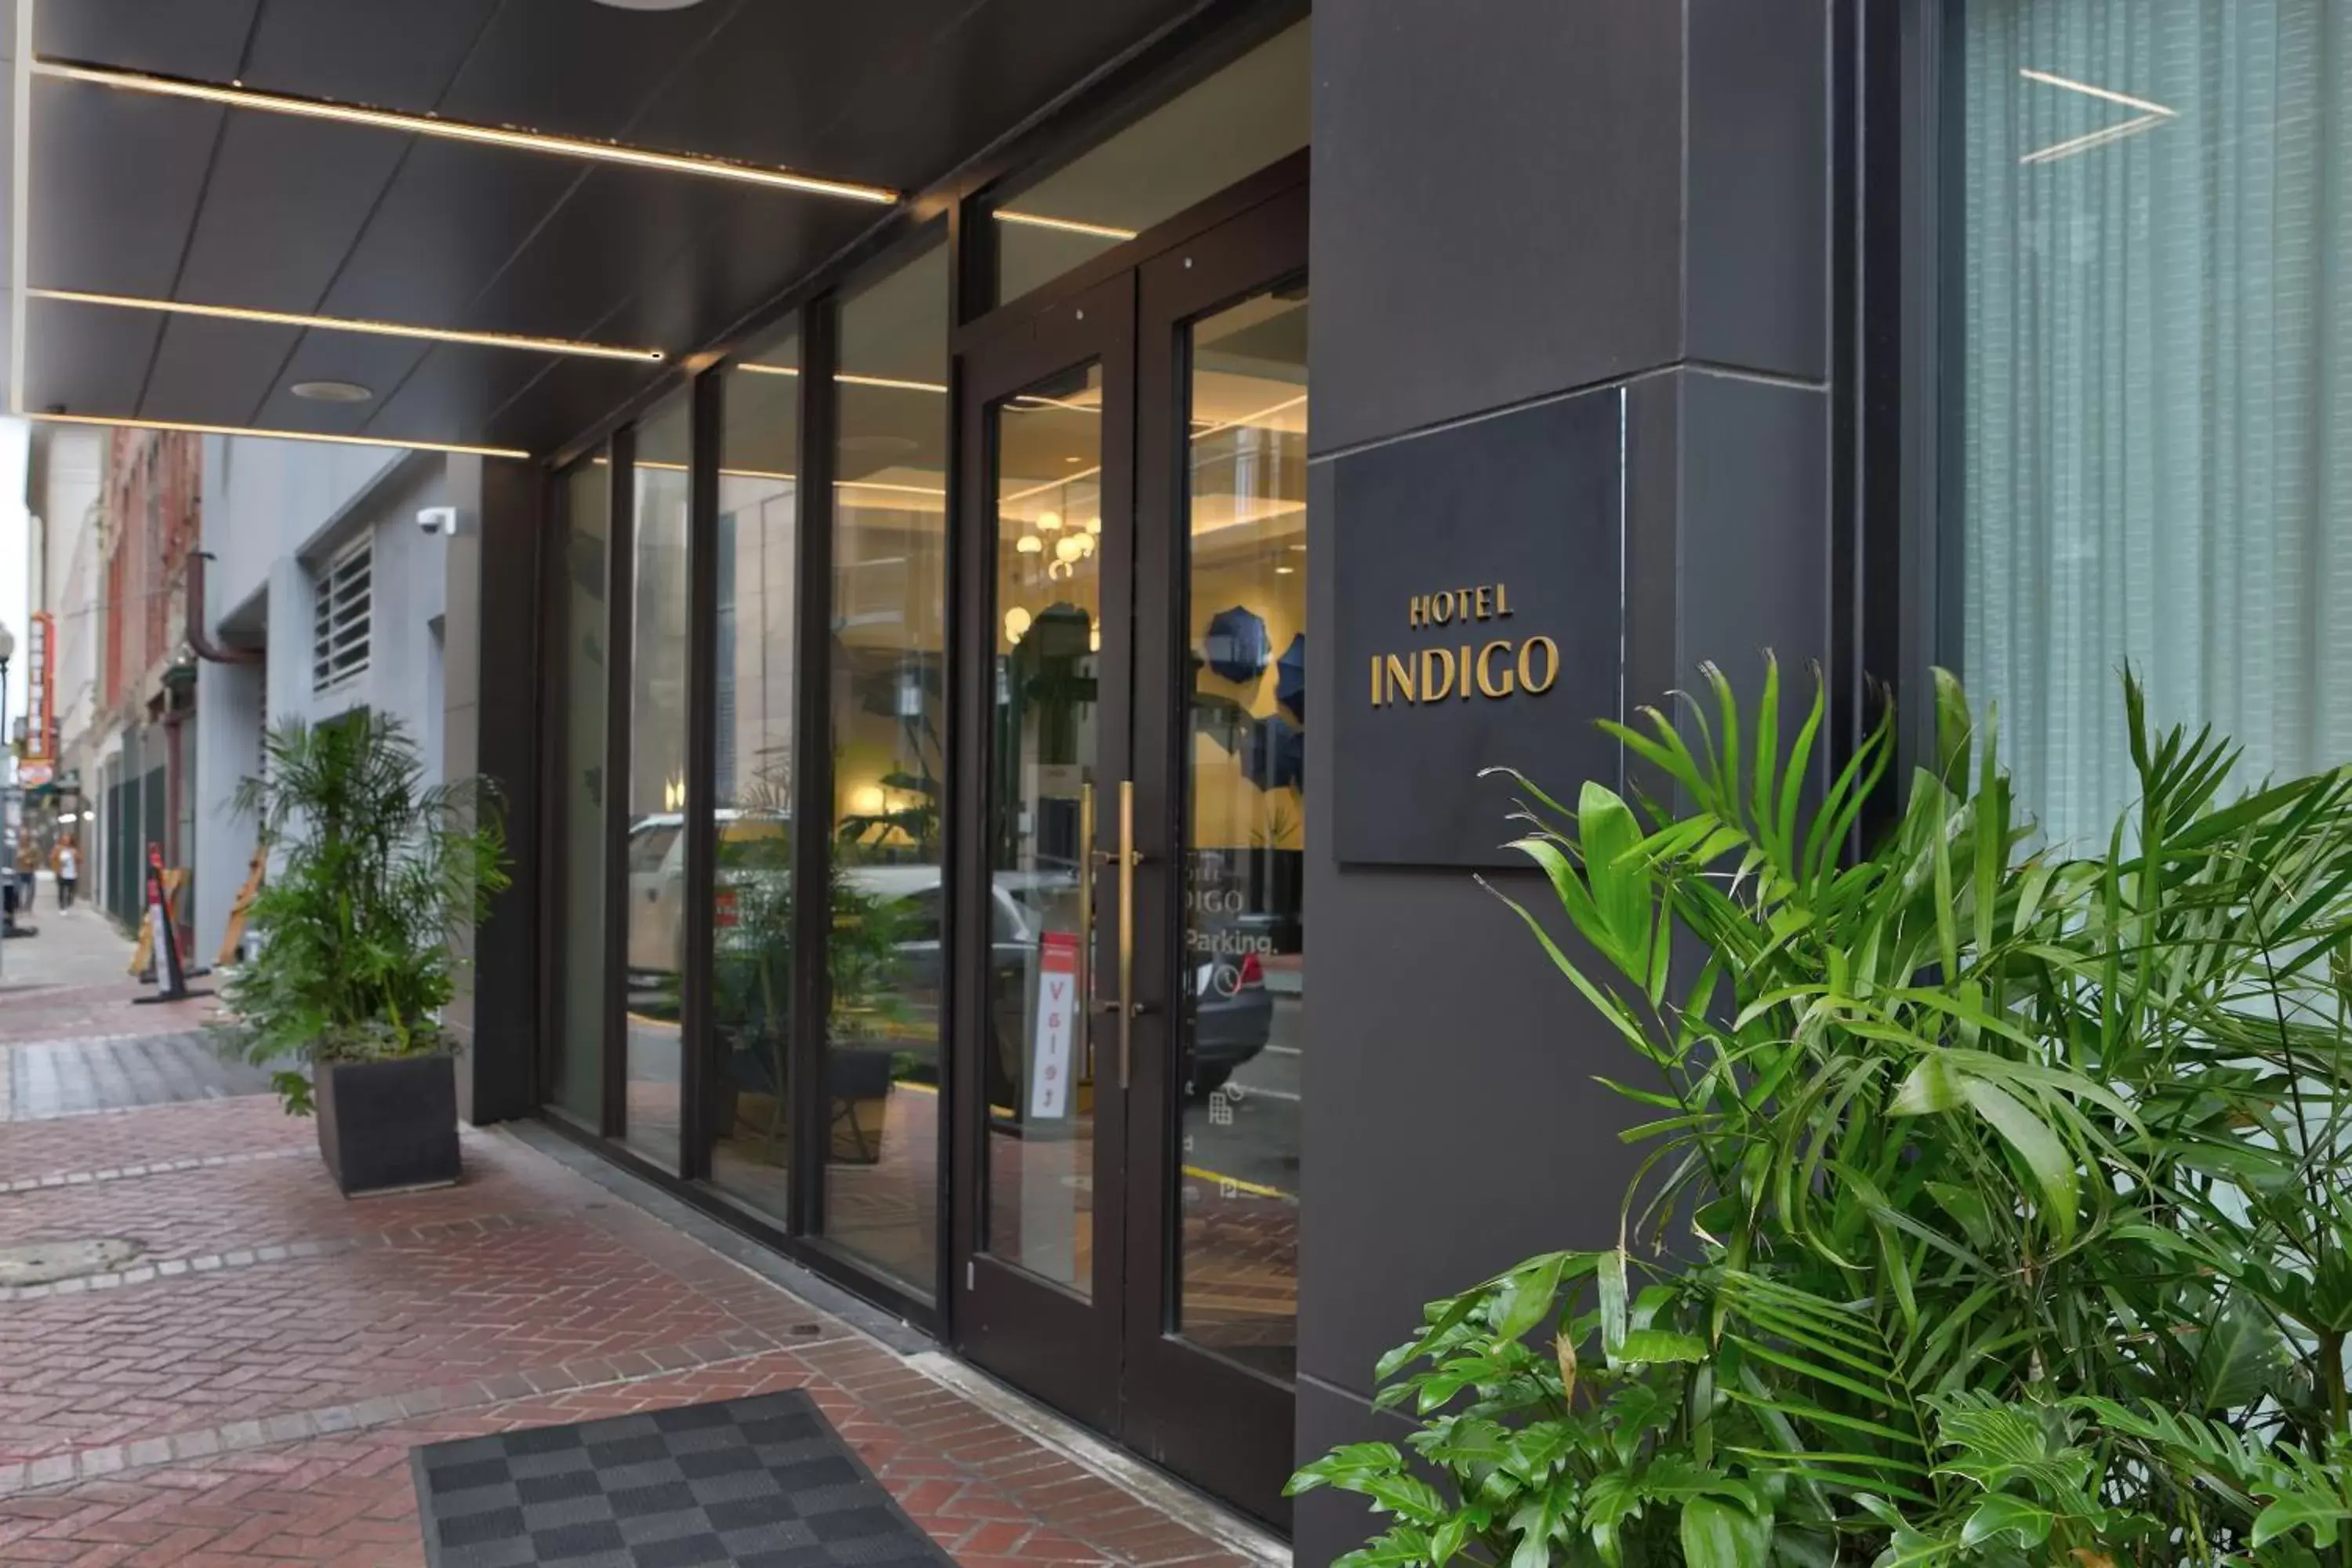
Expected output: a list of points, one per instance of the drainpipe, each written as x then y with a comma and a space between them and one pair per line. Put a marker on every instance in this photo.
199, 638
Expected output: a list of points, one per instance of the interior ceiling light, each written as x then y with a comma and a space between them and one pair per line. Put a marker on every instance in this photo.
348, 324
1064, 225
331, 391
194, 429
850, 377
2150, 115
459, 130
649, 4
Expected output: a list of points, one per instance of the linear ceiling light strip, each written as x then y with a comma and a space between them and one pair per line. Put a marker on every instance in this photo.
459, 130
350, 324
847, 378
195, 429
1063, 225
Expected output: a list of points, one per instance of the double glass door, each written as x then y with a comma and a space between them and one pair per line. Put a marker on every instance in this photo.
1129, 941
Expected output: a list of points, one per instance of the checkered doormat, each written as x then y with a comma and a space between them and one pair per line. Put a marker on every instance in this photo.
763, 1483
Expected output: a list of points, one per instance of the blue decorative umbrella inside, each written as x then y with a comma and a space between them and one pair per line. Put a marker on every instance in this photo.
1236, 647
1290, 676
1277, 754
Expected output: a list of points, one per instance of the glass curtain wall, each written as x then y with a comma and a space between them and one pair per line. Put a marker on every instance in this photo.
2154, 384
654, 880
751, 978
583, 673
888, 725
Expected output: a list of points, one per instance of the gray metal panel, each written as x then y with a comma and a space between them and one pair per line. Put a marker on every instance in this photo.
1754, 571
283, 202
200, 38
1497, 204
398, 57
1325, 1523
1758, 289
86, 359
205, 365
116, 177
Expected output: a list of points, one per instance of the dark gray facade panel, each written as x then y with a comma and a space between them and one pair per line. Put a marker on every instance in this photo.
1755, 543
1451, 1124
1327, 1523
491, 731
1757, 196
1497, 204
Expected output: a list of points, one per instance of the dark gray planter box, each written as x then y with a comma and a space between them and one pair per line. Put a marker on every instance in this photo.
389, 1125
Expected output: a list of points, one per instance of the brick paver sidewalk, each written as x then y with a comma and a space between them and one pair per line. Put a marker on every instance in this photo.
247, 1387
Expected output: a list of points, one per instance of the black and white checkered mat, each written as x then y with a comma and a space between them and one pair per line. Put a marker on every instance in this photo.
763, 1483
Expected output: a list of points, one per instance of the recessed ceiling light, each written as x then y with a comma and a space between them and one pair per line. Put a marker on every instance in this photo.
331, 391
346, 324
649, 4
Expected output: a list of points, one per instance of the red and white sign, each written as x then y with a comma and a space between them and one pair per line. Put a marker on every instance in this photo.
1056, 1030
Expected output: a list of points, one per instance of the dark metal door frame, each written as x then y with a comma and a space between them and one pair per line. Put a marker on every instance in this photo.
1060, 1345
1217, 1423
1111, 1360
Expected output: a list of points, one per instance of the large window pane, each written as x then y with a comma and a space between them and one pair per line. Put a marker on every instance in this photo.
1250, 114
1045, 451
582, 674
2153, 382
655, 875
751, 938
888, 721
1245, 935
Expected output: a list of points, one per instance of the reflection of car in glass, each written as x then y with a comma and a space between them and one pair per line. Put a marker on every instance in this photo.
656, 869
1230, 1018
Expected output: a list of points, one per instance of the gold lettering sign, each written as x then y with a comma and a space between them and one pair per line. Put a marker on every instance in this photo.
1501, 667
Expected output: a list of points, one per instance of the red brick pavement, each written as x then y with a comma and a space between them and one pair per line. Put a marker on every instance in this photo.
41, 1012
247, 1389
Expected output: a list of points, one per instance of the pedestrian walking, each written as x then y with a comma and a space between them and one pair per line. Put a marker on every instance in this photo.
28, 866
66, 861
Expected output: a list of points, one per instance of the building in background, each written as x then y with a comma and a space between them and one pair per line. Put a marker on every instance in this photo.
138, 741
323, 597
65, 481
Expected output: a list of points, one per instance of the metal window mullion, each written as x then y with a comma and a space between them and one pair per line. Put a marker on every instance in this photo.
808, 1104
701, 769
620, 579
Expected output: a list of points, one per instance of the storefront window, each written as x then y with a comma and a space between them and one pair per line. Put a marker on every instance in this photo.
1252, 113
654, 876
751, 919
887, 705
582, 674
2153, 383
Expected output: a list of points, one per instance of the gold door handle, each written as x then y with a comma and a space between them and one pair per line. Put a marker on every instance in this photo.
1124, 1007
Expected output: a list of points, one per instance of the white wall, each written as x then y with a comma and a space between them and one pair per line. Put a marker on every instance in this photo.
275, 514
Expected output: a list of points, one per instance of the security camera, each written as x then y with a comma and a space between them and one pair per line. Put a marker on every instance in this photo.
442, 519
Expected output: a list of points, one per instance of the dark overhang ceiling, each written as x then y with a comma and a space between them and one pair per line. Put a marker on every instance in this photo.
134, 194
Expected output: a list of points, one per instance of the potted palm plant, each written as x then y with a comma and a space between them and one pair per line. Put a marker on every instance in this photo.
373, 869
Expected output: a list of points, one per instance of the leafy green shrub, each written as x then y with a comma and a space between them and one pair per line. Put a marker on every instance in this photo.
1998, 1204
373, 871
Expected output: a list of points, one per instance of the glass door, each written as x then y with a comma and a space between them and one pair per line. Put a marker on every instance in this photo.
1047, 645
1128, 909
1211, 1338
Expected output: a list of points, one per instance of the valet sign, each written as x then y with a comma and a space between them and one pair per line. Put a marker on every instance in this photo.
1481, 623
1057, 1027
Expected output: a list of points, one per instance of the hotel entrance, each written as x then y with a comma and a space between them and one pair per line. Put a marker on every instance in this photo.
1130, 665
